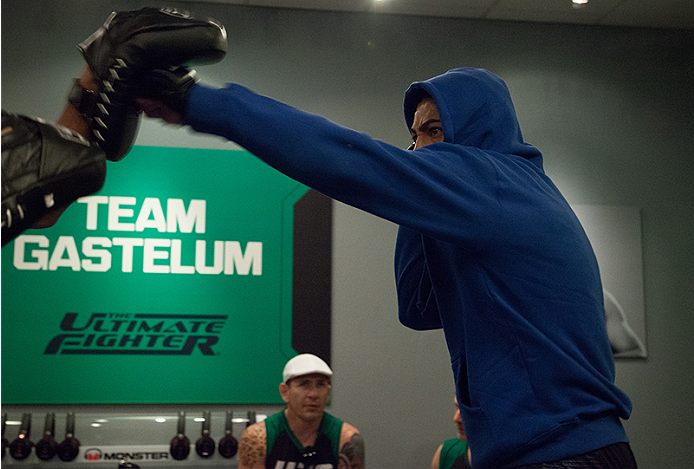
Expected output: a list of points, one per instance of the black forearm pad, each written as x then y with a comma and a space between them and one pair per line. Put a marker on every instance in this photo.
45, 167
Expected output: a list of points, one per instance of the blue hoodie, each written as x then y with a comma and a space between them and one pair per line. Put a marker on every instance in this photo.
488, 249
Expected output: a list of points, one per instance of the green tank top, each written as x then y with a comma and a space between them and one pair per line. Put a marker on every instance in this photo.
283, 448
454, 454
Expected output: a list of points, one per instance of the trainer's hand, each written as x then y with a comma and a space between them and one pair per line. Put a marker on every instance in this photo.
49, 219
158, 110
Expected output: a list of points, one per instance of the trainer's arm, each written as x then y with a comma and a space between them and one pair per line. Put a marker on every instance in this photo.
71, 118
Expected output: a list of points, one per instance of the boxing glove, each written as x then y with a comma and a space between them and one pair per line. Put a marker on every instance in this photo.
171, 87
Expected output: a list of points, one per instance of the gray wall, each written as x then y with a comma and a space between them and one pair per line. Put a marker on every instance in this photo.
611, 108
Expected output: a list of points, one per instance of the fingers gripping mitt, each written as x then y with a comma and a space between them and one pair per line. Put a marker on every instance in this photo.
128, 45
45, 168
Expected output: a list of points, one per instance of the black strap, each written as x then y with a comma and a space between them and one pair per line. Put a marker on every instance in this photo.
82, 99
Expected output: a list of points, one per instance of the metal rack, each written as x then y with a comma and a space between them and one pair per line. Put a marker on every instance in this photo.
166, 440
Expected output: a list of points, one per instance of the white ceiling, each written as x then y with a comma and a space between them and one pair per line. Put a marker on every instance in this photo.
638, 13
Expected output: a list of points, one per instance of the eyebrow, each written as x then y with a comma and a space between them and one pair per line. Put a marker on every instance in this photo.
425, 124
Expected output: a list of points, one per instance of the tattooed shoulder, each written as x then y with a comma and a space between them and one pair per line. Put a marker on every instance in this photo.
352, 453
253, 446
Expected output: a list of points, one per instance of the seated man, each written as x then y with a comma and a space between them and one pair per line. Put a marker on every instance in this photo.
453, 453
303, 433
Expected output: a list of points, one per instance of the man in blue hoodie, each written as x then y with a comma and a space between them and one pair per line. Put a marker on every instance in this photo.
488, 250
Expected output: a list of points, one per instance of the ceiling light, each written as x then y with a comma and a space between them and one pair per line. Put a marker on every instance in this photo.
578, 3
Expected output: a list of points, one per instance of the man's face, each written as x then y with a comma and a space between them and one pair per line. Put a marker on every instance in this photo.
426, 126
307, 395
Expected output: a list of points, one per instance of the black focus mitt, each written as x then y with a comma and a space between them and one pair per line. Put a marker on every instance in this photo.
45, 168
128, 45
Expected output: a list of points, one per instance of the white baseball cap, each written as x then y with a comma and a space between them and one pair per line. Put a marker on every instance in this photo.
305, 364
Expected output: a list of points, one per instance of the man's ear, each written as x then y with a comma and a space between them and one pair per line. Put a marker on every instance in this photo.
284, 389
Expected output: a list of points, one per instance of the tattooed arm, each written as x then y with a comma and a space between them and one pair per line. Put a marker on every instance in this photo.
351, 449
252, 447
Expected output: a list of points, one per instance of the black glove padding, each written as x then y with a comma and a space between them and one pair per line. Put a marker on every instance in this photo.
111, 112
129, 44
45, 168
171, 87
153, 38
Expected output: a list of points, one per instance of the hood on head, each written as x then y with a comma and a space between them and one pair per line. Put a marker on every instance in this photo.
475, 108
